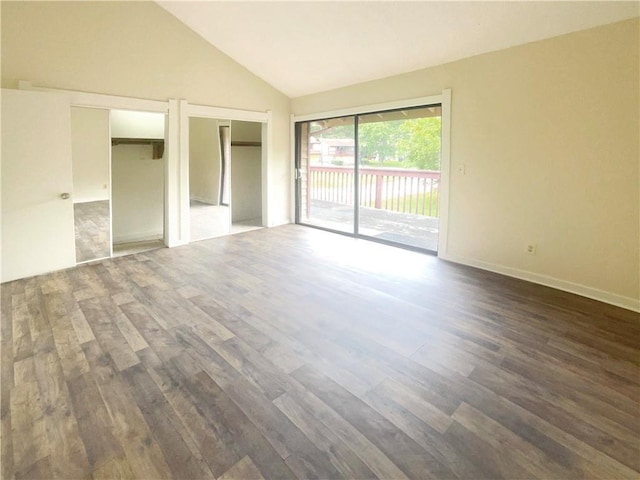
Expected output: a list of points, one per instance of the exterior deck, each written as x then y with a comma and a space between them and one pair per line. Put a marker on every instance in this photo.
407, 228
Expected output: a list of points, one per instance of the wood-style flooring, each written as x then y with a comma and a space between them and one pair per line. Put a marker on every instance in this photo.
295, 353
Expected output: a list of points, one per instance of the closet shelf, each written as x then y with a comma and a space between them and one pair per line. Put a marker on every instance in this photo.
156, 143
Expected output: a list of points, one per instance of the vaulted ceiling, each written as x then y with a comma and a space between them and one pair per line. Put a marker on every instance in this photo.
302, 48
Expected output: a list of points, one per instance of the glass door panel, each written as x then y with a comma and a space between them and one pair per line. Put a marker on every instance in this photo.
399, 176
326, 173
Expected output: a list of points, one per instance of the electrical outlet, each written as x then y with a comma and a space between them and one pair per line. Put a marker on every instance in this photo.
531, 249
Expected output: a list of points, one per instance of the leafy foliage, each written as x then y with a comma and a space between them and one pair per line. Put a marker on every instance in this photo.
379, 141
420, 144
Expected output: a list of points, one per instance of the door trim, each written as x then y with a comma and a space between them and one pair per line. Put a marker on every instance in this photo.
101, 100
377, 107
445, 172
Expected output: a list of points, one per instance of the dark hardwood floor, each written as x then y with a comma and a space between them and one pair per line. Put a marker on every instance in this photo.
295, 353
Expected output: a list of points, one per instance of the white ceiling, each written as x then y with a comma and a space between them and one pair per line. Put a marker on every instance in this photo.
307, 47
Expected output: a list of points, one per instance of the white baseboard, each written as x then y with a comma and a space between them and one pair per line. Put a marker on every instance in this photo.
279, 221
177, 243
138, 237
583, 290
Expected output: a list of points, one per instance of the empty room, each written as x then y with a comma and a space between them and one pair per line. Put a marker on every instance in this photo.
332, 240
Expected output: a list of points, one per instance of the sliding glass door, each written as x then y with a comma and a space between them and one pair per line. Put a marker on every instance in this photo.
399, 176
374, 175
326, 173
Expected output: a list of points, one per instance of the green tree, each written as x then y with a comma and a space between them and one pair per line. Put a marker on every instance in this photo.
420, 144
379, 140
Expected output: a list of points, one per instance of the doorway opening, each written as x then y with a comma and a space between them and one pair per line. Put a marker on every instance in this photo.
245, 161
118, 181
137, 180
373, 175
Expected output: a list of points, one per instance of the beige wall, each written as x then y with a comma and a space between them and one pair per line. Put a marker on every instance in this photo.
204, 160
549, 135
137, 49
132, 124
90, 152
246, 131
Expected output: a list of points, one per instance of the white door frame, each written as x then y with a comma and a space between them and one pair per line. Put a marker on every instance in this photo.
188, 110
443, 99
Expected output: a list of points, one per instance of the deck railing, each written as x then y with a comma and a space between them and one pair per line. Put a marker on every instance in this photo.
395, 189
